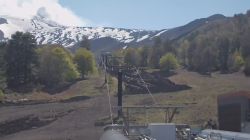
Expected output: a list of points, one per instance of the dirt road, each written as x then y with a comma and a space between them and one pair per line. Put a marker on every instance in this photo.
61, 121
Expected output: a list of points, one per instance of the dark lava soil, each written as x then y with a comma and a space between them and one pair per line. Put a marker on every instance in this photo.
69, 120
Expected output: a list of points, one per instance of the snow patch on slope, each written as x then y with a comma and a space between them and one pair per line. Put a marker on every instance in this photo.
142, 38
161, 32
50, 32
12, 27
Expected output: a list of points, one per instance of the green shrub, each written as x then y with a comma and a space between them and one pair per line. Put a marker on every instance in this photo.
236, 62
56, 66
85, 61
168, 62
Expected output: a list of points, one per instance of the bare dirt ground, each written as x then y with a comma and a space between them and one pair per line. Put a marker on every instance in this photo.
72, 114
69, 120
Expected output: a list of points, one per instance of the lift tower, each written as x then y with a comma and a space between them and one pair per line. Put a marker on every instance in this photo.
111, 64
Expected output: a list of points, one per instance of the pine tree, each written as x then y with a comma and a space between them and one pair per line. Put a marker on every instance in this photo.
223, 45
156, 53
144, 56
20, 59
3, 65
85, 43
132, 57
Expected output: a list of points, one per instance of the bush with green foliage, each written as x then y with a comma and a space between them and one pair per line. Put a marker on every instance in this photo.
56, 66
236, 61
85, 62
168, 62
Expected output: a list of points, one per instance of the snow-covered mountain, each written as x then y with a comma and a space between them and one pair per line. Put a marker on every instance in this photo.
102, 38
49, 32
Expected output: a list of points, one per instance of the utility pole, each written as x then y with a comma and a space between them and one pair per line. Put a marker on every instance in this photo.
105, 64
107, 60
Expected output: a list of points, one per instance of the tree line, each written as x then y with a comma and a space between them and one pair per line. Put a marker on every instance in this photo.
162, 55
24, 64
218, 46
222, 45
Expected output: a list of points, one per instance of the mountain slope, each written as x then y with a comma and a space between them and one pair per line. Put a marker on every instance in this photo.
49, 32
178, 32
102, 38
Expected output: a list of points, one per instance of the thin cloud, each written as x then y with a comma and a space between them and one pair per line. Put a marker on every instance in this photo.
51, 9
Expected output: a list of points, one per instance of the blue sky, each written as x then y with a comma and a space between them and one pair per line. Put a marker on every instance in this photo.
151, 14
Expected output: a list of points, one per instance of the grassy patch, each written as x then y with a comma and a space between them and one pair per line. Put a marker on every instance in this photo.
200, 101
89, 88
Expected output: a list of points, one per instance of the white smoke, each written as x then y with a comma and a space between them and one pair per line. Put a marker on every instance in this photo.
50, 9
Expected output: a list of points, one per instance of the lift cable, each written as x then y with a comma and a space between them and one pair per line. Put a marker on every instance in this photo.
146, 86
108, 94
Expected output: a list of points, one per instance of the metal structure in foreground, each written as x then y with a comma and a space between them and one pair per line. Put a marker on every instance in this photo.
170, 112
127, 130
108, 63
209, 134
154, 130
